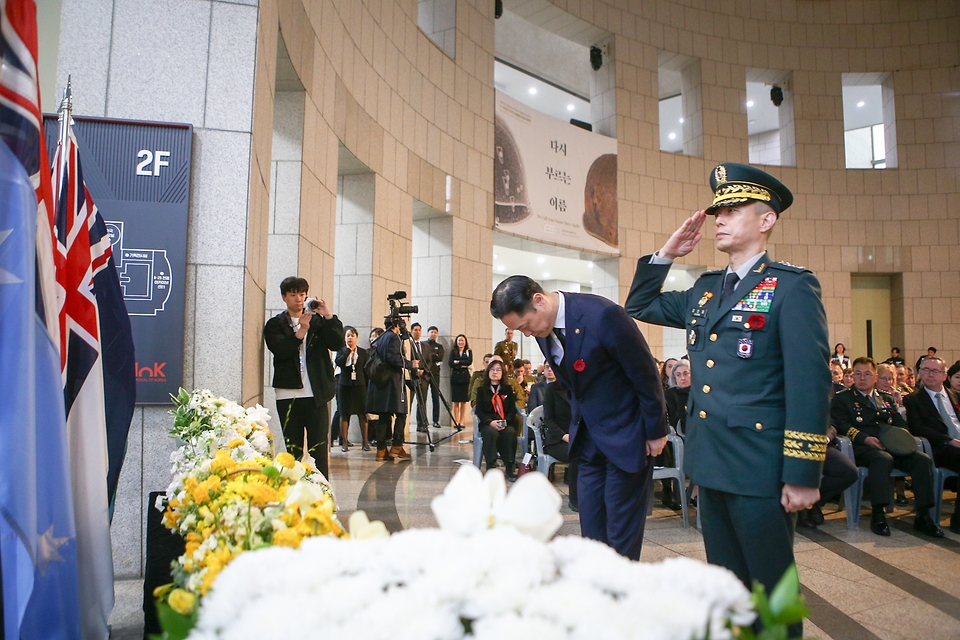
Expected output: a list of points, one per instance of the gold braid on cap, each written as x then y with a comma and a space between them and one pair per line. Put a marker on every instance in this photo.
739, 191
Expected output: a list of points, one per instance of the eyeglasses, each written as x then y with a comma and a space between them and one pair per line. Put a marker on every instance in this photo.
926, 370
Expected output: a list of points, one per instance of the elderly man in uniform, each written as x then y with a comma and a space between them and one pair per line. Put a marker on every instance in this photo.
759, 399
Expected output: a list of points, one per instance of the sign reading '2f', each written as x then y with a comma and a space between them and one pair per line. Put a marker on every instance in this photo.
138, 173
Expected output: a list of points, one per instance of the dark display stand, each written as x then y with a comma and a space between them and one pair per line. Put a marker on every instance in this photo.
163, 549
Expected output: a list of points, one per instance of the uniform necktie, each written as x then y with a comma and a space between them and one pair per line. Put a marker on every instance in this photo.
947, 418
562, 342
729, 284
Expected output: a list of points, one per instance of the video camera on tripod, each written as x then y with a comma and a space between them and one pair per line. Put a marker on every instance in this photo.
399, 311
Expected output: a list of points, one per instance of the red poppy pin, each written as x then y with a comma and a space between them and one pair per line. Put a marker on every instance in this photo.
756, 321
579, 366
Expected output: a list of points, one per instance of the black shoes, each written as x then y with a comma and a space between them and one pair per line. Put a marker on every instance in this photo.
422, 428
878, 524
805, 520
436, 425
574, 507
815, 514
955, 523
901, 500
926, 526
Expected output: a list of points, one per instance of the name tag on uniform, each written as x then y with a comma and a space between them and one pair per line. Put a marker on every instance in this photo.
698, 313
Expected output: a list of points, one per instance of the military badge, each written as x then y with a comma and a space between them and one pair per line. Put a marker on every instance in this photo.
720, 174
745, 348
692, 338
760, 298
706, 297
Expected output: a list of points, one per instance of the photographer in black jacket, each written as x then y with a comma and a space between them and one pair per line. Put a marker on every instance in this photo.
300, 340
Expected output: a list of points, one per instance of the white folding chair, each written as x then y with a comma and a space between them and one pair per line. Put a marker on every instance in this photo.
940, 475
535, 424
675, 473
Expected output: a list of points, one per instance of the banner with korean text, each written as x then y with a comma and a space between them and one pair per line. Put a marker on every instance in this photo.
553, 182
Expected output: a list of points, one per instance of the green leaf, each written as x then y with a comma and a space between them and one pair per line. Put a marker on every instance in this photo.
787, 591
175, 626
761, 604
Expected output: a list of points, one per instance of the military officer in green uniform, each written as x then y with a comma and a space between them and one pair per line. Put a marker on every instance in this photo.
758, 409
863, 414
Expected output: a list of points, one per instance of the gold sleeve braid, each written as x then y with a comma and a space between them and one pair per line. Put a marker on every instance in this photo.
805, 446
852, 433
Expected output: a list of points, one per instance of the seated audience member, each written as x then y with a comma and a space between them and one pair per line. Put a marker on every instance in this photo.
556, 434
839, 473
903, 386
518, 384
865, 415
676, 397
887, 383
933, 412
848, 377
666, 370
535, 399
836, 374
911, 378
953, 377
476, 379
931, 351
840, 355
496, 412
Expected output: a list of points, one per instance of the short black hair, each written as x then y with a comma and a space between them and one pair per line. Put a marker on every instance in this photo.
895, 349
934, 349
416, 324
293, 284
432, 328
865, 360
347, 329
514, 295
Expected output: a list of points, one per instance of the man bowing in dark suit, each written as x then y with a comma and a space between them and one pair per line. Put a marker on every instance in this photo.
933, 412
618, 421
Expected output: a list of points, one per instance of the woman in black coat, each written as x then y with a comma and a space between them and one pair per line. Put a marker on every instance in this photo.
497, 412
461, 357
352, 388
676, 396
556, 433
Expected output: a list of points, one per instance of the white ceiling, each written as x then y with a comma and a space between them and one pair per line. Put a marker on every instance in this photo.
862, 106
513, 255
546, 98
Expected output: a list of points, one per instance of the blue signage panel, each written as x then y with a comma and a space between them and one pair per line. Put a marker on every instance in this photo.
138, 174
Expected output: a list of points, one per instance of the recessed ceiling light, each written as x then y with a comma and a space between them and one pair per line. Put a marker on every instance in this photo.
589, 265
671, 278
540, 259
861, 103
673, 136
494, 256
571, 107
749, 103
751, 122
501, 268
681, 120
533, 91
591, 282
546, 275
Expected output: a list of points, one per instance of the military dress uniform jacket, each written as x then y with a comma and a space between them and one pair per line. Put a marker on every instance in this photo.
757, 414
856, 417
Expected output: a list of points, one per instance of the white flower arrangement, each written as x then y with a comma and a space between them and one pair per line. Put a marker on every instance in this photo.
488, 572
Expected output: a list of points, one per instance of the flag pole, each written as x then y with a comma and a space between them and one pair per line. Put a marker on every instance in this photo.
65, 112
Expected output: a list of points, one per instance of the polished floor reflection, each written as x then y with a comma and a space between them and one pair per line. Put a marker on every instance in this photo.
858, 585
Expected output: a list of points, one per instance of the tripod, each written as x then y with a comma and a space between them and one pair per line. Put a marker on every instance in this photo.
418, 390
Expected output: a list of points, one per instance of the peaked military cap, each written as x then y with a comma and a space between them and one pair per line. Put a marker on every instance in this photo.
735, 184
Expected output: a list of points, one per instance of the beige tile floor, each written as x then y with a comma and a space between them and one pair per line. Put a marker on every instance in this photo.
858, 585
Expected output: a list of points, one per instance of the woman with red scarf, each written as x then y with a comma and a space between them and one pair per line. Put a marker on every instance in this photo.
497, 412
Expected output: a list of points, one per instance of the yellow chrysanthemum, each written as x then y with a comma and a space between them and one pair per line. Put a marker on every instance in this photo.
189, 484
287, 538
286, 460
182, 601
236, 442
162, 590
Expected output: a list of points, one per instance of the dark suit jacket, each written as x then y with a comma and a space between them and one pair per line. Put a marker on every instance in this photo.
759, 421
485, 411
536, 395
392, 397
323, 337
556, 414
612, 379
924, 420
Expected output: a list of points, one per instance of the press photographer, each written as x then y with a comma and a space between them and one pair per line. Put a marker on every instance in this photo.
300, 339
